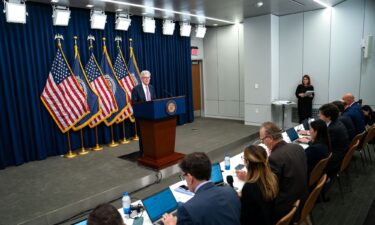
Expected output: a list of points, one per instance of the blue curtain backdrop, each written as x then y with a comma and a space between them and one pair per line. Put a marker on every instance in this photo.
27, 131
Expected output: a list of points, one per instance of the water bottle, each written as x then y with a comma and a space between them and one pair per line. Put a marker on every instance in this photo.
227, 161
126, 204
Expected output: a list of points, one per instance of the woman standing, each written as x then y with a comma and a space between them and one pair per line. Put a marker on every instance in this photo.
260, 189
305, 95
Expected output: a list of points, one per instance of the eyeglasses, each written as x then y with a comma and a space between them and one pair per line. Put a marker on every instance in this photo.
262, 139
146, 77
182, 176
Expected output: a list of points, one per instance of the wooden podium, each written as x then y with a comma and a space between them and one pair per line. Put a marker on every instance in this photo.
157, 121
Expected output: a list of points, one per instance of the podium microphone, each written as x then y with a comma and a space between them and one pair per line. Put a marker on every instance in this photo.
169, 94
230, 180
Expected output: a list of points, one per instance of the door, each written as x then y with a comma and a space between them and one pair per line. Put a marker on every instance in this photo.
196, 79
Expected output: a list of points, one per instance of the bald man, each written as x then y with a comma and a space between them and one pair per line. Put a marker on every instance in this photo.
354, 111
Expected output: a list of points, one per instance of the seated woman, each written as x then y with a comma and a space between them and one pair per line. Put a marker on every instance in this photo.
318, 144
260, 189
369, 115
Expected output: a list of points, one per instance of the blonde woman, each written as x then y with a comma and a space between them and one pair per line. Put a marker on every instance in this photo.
260, 189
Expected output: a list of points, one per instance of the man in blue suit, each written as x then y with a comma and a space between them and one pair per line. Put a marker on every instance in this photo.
211, 205
354, 111
141, 93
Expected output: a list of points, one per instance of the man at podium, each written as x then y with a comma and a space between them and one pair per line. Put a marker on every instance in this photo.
141, 93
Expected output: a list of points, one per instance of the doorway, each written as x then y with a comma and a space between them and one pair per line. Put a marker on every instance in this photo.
196, 72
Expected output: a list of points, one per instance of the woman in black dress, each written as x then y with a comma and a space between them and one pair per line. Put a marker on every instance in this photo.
260, 189
304, 100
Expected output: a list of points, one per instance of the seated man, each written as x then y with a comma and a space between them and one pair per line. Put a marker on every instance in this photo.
105, 214
288, 162
346, 120
211, 205
354, 111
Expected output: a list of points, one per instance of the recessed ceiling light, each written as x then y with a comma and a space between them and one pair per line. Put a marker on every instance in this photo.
167, 11
89, 6
322, 3
144, 13
119, 10
215, 24
54, 1
259, 4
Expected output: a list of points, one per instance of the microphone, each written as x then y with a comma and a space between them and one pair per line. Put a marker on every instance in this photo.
230, 180
169, 94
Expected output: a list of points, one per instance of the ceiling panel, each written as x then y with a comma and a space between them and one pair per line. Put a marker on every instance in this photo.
231, 10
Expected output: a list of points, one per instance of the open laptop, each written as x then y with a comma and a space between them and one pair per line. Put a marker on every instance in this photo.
292, 134
158, 204
216, 175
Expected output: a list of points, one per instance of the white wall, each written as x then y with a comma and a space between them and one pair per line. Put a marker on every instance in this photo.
274, 52
223, 75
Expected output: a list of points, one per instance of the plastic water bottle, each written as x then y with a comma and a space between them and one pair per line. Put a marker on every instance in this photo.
227, 161
126, 204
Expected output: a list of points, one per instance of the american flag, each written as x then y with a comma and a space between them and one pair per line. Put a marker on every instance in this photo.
100, 85
62, 95
126, 82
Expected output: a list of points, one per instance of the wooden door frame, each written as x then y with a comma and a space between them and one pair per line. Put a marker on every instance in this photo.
200, 63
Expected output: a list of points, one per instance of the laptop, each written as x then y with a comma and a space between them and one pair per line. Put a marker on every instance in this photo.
82, 222
306, 124
216, 175
158, 204
292, 134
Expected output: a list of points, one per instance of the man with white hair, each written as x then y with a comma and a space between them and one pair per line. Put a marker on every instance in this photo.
354, 111
141, 93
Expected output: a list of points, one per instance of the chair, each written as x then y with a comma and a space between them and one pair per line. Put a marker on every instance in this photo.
344, 165
368, 138
359, 137
317, 172
310, 202
288, 217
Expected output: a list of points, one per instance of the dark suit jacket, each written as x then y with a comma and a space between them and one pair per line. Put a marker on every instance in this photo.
288, 162
211, 205
356, 114
339, 145
348, 123
138, 95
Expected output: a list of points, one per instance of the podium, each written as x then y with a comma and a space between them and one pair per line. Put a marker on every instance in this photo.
157, 121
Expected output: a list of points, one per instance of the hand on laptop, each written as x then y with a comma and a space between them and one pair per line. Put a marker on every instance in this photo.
303, 132
169, 219
241, 174
304, 140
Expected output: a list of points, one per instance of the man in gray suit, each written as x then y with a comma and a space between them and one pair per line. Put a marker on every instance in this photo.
288, 161
211, 205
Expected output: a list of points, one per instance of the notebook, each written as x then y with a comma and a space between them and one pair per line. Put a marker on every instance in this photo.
158, 204
292, 134
216, 175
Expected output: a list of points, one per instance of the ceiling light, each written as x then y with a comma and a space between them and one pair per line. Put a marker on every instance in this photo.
89, 6
98, 19
259, 4
148, 25
322, 3
215, 24
168, 11
60, 15
119, 10
15, 12
168, 27
122, 21
200, 31
185, 29
54, 1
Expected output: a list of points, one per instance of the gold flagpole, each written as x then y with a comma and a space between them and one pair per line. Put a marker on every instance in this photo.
124, 140
97, 146
70, 154
135, 138
83, 151
113, 143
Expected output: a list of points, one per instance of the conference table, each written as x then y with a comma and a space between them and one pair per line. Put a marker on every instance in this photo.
183, 197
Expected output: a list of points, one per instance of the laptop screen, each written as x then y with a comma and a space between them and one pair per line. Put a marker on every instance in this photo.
306, 124
216, 175
158, 204
82, 222
292, 133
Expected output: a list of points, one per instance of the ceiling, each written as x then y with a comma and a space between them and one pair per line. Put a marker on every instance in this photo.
229, 10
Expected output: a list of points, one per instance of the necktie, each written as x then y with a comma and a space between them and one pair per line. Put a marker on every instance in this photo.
148, 96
